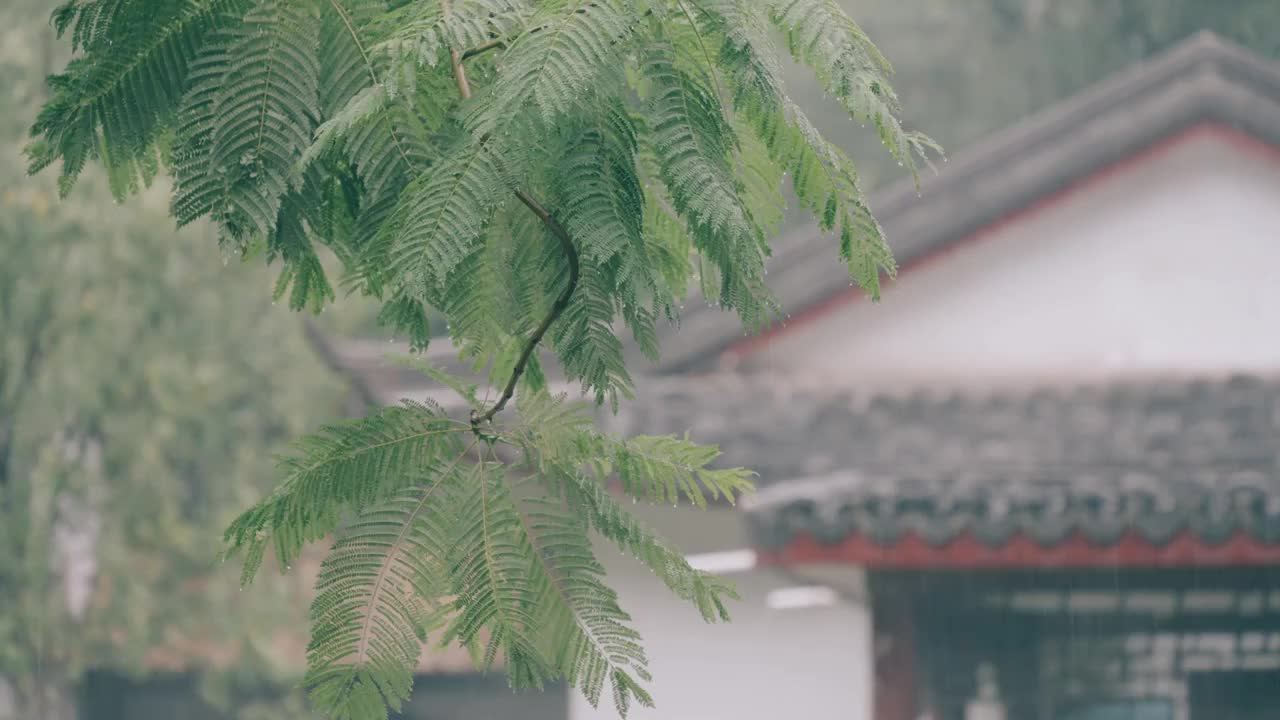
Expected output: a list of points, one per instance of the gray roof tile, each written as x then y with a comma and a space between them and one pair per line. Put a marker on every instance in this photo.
1156, 457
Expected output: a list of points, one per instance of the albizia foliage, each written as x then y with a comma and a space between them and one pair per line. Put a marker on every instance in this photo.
533, 171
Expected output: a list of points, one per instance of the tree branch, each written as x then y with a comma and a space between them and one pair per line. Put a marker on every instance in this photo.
328, 353
561, 303
482, 49
460, 74
557, 309
11, 397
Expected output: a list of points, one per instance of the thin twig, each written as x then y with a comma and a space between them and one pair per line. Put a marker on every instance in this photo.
482, 49
561, 303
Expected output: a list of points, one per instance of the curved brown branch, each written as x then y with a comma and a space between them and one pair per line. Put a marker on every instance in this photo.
482, 49
562, 302
557, 309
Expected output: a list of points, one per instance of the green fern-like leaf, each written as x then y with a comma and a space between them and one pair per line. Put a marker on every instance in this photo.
382, 139
265, 114
662, 469
406, 314
490, 561
246, 119
359, 108
705, 591
585, 631
483, 312
585, 341
572, 460
303, 277
425, 33
603, 200
823, 178
378, 593
668, 246
821, 35
345, 467
647, 143
551, 70
598, 182
196, 188
345, 40
113, 102
694, 145
442, 218
385, 141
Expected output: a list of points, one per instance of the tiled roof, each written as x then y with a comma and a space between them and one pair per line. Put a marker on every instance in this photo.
1204, 80
1156, 458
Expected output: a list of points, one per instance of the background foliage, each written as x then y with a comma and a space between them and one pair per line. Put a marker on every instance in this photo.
968, 69
144, 385
965, 69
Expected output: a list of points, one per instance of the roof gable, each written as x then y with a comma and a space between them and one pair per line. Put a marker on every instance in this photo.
1204, 80
1164, 264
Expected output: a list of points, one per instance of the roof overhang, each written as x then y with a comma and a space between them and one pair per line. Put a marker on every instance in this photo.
1140, 473
966, 552
1205, 82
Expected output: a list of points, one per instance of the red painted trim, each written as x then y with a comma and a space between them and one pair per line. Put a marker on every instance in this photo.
808, 315
966, 552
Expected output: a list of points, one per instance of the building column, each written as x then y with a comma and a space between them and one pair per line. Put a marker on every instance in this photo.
893, 645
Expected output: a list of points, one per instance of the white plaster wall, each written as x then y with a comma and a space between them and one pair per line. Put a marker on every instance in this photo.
1170, 265
764, 665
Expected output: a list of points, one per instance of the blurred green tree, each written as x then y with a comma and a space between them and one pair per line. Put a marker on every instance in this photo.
143, 389
969, 69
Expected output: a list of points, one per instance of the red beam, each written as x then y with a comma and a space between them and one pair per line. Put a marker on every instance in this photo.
912, 552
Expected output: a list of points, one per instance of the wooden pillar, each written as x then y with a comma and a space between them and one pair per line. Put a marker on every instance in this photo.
895, 661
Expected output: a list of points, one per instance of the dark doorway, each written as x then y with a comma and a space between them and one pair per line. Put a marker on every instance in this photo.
1235, 695
108, 696
1122, 710
472, 696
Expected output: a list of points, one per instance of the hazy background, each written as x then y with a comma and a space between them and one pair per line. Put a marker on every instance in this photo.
145, 379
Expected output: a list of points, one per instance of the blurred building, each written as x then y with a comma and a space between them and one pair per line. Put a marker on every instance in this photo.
1041, 480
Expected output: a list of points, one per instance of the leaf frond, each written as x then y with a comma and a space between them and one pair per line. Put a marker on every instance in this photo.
114, 101
344, 467
377, 596
653, 141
